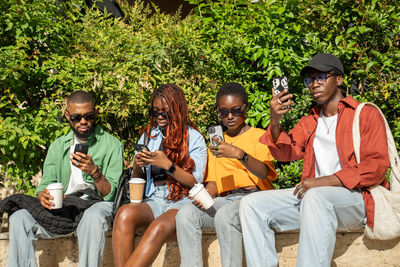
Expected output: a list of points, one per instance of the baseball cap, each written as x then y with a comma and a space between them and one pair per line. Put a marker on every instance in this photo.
323, 62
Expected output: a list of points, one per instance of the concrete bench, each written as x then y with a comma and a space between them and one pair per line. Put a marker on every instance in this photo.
352, 249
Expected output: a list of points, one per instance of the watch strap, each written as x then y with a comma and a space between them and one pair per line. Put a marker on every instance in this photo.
244, 157
171, 169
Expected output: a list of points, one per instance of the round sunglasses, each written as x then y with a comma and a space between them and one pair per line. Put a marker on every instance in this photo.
321, 78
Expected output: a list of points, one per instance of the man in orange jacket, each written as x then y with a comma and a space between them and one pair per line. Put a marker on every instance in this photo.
333, 190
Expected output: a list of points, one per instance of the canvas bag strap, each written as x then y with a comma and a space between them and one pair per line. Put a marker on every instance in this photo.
392, 150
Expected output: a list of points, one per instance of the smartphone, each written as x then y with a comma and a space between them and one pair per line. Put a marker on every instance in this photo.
83, 148
279, 84
216, 132
140, 147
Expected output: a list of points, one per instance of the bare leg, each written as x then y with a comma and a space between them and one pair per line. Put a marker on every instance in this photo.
157, 233
129, 218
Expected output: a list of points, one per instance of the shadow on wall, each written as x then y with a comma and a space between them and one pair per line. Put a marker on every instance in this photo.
170, 6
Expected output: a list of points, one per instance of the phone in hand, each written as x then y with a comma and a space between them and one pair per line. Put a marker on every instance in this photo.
279, 84
83, 148
216, 132
140, 147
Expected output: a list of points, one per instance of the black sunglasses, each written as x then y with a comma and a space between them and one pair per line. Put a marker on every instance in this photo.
155, 114
90, 116
321, 78
223, 113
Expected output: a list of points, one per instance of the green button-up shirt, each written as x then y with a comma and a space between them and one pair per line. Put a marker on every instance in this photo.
106, 152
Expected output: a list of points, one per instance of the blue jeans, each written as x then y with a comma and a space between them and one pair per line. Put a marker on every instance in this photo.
191, 219
159, 204
24, 230
321, 212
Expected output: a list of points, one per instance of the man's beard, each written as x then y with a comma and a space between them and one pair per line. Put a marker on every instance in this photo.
83, 136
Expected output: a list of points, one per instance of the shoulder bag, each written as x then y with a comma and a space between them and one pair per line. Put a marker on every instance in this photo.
387, 202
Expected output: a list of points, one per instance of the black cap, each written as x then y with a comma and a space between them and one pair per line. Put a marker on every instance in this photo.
323, 62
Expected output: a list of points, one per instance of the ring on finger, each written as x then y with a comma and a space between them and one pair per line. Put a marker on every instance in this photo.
279, 101
216, 148
299, 187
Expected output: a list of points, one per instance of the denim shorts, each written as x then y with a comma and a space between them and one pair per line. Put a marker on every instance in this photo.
159, 204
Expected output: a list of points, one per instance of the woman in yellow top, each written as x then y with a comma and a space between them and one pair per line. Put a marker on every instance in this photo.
236, 167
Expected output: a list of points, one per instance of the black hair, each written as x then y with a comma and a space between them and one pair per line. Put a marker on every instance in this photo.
235, 89
80, 97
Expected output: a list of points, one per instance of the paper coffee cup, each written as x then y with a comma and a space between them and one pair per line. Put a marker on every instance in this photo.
136, 188
200, 193
56, 191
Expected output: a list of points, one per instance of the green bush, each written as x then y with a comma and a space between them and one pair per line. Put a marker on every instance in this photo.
253, 42
31, 34
120, 62
123, 64
48, 51
289, 174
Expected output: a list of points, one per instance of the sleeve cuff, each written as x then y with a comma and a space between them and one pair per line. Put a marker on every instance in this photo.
266, 139
349, 178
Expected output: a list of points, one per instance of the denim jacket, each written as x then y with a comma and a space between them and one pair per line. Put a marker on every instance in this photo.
197, 151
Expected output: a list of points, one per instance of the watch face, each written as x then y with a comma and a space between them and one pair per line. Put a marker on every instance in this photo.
171, 169
245, 157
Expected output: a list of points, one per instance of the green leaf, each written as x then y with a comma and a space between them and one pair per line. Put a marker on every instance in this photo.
9, 26
364, 29
338, 39
370, 65
350, 30
281, 10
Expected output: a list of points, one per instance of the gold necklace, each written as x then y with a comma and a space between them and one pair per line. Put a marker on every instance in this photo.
326, 125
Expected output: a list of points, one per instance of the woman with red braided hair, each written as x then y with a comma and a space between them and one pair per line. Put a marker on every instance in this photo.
175, 162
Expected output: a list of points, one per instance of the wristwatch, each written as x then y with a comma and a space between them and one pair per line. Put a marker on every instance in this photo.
244, 157
171, 169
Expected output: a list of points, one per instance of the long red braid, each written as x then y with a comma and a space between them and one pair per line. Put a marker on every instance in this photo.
175, 144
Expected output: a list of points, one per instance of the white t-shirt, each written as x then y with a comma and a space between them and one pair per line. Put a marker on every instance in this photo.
76, 181
326, 155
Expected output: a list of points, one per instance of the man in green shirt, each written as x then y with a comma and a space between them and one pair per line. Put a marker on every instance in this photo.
99, 169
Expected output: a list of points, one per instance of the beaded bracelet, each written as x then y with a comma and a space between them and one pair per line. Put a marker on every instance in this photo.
95, 172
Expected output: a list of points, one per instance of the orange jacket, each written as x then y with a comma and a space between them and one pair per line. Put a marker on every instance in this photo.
298, 144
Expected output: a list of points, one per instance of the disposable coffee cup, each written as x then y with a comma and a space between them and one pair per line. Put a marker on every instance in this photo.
56, 191
200, 193
136, 189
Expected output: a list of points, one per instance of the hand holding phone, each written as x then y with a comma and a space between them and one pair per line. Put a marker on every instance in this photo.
140, 147
83, 148
278, 85
279, 105
215, 132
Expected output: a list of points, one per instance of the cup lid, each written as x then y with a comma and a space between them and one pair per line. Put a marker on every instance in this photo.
137, 180
195, 190
55, 186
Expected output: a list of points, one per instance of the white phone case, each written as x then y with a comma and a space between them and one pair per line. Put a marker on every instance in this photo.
215, 131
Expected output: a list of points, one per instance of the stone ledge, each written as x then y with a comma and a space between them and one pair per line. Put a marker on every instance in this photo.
352, 249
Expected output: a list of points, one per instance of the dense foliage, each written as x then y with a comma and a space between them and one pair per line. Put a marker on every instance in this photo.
253, 42
32, 35
48, 51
